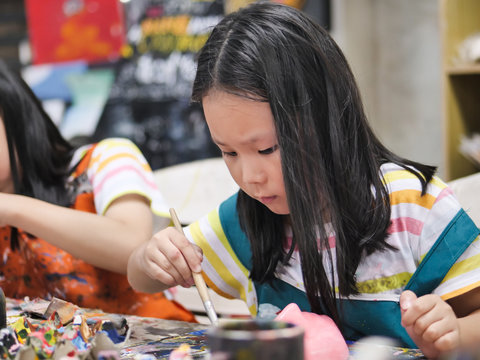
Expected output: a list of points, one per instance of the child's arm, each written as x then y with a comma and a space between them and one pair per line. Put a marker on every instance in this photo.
105, 241
437, 326
166, 260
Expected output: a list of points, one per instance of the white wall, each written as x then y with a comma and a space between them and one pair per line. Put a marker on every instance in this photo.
393, 47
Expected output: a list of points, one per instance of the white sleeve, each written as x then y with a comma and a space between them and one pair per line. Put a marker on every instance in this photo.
118, 168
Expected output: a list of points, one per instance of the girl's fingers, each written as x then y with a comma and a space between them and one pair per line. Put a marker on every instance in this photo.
175, 261
417, 308
435, 330
160, 268
429, 321
175, 255
406, 299
198, 251
448, 342
190, 252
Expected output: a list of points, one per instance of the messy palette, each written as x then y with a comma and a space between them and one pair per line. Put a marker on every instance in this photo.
53, 329
57, 329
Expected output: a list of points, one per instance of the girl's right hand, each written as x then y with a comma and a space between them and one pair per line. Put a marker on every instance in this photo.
168, 257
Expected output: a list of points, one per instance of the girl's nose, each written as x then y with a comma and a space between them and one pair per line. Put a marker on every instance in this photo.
253, 173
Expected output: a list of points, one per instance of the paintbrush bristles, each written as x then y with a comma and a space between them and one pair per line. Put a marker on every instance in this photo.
198, 278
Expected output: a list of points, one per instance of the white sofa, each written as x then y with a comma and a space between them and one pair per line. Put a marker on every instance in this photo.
467, 190
195, 188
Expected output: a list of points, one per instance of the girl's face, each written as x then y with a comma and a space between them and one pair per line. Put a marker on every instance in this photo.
6, 182
244, 131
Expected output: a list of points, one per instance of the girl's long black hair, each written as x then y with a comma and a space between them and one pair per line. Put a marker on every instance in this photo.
39, 155
330, 157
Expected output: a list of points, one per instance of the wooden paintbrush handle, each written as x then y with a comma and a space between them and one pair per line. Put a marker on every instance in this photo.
197, 277
175, 220
201, 286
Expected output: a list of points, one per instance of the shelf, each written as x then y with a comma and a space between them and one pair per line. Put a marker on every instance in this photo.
473, 69
461, 84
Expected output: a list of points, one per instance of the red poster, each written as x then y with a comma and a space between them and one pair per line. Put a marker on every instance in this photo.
66, 30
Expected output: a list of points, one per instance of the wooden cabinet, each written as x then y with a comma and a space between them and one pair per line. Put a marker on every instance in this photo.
461, 83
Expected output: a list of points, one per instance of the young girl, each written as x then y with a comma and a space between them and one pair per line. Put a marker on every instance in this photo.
327, 217
69, 217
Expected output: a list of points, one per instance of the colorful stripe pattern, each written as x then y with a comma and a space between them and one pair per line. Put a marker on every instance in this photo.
222, 269
416, 223
115, 159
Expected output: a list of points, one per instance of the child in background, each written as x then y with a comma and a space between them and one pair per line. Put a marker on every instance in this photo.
327, 217
70, 217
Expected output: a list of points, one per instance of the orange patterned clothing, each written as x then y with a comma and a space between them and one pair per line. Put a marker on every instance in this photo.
39, 269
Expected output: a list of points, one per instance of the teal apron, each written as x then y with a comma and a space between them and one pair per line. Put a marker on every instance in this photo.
360, 317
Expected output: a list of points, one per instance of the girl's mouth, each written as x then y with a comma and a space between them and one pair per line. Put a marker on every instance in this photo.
267, 199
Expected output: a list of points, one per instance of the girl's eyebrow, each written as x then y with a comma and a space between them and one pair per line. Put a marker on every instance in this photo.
217, 142
252, 140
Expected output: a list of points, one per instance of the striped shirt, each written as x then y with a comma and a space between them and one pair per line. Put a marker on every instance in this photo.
102, 173
117, 168
416, 223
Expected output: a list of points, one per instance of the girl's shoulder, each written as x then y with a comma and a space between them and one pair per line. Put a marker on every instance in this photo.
397, 178
117, 167
120, 149
116, 152
116, 145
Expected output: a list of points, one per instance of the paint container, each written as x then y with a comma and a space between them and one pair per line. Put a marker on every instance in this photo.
255, 339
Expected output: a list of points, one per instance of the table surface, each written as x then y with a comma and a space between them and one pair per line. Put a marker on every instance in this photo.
158, 337
152, 338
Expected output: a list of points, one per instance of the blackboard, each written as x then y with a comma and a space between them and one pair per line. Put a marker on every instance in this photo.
150, 98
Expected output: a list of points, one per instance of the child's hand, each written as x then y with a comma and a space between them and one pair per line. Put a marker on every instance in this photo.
430, 322
168, 257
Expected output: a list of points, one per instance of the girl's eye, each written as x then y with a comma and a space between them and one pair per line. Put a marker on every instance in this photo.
269, 150
229, 153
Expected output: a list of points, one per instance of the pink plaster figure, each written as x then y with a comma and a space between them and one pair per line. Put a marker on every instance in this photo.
323, 339
181, 353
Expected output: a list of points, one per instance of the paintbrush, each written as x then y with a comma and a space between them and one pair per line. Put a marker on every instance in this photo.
199, 281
